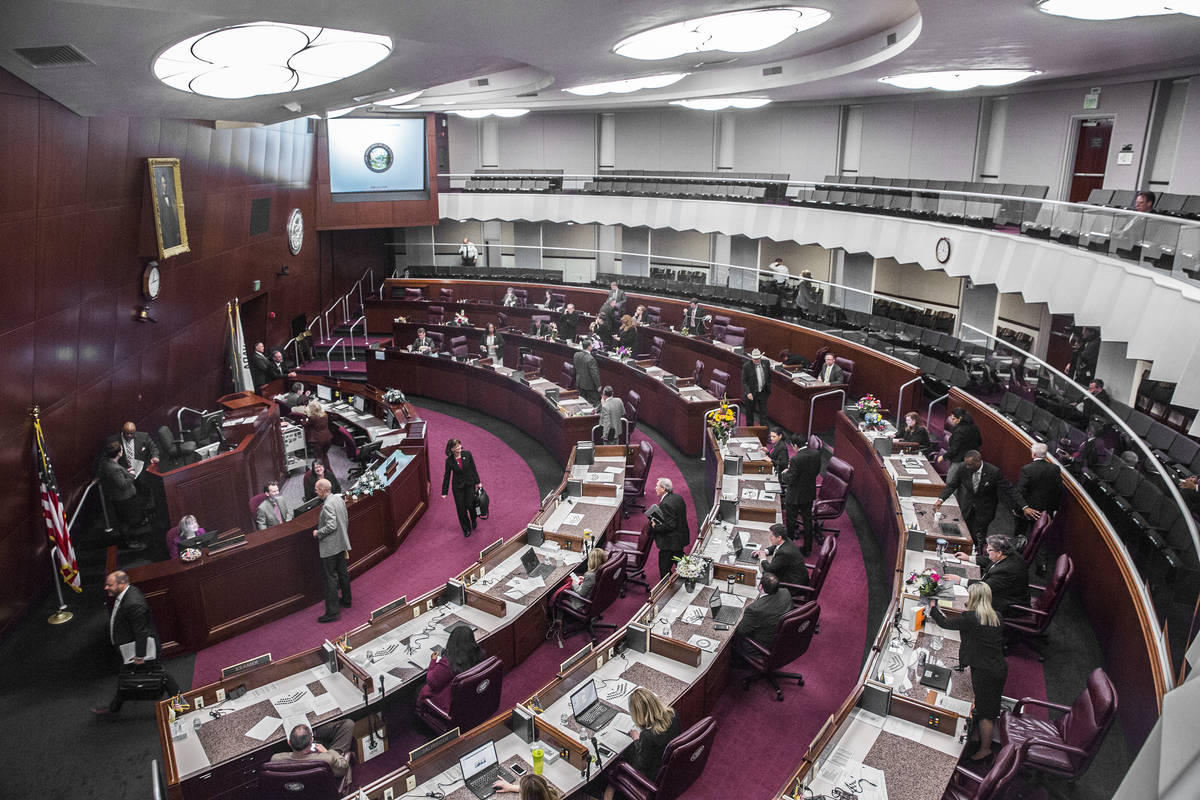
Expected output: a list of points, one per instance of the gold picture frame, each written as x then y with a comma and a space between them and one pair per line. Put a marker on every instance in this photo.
166, 192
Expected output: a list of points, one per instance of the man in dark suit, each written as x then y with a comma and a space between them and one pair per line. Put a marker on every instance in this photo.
786, 561
1004, 571
135, 446
669, 526
168, 216
830, 372
118, 486
1039, 486
331, 743
693, 318
277, 368
616, 297
587, 376
333, 537
568, 323
979, 486
761, 618
777, 450
756, 387
260, 364
800, 480
131, 629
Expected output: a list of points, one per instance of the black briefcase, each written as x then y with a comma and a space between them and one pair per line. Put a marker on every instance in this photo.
142, 681
483, 503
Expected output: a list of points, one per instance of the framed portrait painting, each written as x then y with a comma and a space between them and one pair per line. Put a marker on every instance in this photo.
170, 225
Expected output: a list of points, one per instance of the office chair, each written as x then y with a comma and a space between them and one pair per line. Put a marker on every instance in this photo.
831, 494
735, 336
633, 412
994, 784
366, 454
1031, 622
446, 295
635, 545
435, 315
255, 502
818, 571
413, 294
176, 450
635, 479
793, 635
587, 611
474, 697
298, 780
684, 760
531, 364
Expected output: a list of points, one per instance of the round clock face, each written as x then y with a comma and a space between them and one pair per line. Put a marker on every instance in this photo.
295, 231
943, 250
151, 282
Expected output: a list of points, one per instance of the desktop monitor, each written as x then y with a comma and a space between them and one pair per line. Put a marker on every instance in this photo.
324, 393
360, 403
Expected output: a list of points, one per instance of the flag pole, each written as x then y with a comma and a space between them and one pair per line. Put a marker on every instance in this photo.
63, 614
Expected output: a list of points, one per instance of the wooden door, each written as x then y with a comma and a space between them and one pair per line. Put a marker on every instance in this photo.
1091, 157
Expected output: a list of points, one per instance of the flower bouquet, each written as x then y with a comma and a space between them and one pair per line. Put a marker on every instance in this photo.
690, 568
368, 484
927, 583
596, 344
460, 318
623, 353
400, 319
394, 396
723, 421
869, 409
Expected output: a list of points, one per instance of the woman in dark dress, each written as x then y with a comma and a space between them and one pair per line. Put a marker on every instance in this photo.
493, 344
464, 478
315, 473
656, 725
777, 450
319, 434
568, 323
981, 649
460, 655
914, 433
627, 335
963, 438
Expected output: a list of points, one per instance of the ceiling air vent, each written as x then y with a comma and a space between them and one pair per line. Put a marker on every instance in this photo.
476, 82
63, 55
768, 71
528, 94
891, 39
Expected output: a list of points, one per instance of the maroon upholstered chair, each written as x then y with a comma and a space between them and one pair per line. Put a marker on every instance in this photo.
718, 383
719, 324
847, 369
458, 347
635, 545
654, 315
831, 494
567, 376
343, 437
501, 320
1037, 535
412, 294
256, 501
522, 296
967, 785
531, 364
435, 315
815, 443
683, 761
635, 479
474, 697
819, 361
792, 638
587, 611
1064, 747
172, 540
633, 412
818, 571
559, 299
297, 779
735, 336
1032, 621
446, 295
656, 348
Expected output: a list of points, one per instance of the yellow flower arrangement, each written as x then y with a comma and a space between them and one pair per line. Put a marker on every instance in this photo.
723, 421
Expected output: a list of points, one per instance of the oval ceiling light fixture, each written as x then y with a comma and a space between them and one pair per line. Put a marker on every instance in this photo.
628, 85
480, 113
732, 32
1106, 10
399, 100
260, 58
959, 80
334, 113
721, 103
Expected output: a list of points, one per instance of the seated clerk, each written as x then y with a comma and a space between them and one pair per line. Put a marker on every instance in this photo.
914, 433
785, 562
422, 344
582, 585
510, 298
460, 655
761, 618
777, 449
568, 323
189, 531
1004, 571
315, 473
273, 510
297, 396
656, 725
830, 372
329, 743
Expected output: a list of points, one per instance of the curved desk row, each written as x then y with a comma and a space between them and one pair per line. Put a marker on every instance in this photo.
1120, 612
222, 594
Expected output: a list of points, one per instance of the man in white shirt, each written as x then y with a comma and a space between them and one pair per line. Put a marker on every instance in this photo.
468, 252
780, 271
131, 629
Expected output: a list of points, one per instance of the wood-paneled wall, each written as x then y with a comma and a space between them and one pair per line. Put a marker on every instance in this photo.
75, 230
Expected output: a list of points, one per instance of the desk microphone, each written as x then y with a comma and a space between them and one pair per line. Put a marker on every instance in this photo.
599, 762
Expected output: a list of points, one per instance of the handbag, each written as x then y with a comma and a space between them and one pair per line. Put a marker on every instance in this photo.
482, 503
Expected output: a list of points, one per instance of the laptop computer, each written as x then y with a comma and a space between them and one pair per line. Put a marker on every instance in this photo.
533, 567
481, 768
741, 552
935, 677
587, 708
726, 615
950, 529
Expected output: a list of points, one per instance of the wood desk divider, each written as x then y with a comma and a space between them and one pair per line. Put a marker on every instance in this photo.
356, 674
675, 650
486, 603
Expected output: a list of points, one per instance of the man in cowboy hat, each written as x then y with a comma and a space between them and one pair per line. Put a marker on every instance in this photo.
756, 387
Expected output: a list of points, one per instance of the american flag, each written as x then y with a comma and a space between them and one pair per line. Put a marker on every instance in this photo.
53, 511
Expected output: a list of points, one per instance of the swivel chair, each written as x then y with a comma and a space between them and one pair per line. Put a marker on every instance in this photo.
792, 638
683, 762
474, 697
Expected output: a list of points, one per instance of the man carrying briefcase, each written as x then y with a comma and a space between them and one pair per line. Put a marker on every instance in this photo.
131, 629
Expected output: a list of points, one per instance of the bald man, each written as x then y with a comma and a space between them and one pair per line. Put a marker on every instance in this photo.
135, 446
333, 537
131, 629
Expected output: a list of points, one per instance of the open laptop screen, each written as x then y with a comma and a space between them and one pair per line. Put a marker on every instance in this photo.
478, 760
530, 560
324, 393
583, 698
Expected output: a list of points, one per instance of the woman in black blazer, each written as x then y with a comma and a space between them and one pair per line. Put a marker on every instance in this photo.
981, 649
461, 465
627, 334
493, 344
777, 450
656, 724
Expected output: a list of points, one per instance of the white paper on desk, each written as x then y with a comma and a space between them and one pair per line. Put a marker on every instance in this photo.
264, 728
514, 594
129, 651
622, 723
614, 469
704, 643
734, 600
296, 703
749, 494
573, 519
772, 486
960, 707
872, 776
323, 704
959, 590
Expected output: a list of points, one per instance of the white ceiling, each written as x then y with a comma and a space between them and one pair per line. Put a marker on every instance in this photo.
544, 46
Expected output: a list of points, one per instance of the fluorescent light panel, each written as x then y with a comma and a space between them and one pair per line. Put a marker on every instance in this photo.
628, 85
732, 32
959, 80
1105, 10
480, 113
721, 103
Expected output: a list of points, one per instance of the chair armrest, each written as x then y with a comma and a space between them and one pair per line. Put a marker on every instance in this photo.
625, 536
1033, 701
1063, 746
626, 772
973, 777
432, 708
751, 643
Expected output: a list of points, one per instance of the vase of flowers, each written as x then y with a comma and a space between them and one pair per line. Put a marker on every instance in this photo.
460, 318
690, 568
870, 410
927, 583
394, 396
368, 484
623, 353
723, 421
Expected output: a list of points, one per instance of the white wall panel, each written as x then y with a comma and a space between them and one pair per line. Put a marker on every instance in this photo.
549, 141
1185, 176
463, 136
944, 139
887, 139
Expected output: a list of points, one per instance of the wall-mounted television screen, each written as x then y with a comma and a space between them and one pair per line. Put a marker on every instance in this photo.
377, 159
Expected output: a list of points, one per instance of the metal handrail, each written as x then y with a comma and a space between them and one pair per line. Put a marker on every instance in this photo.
328, 363
179, 418
103, 507
900, 398
936, 400
295, 340
320, 323
328, 328
363, 320
813, 401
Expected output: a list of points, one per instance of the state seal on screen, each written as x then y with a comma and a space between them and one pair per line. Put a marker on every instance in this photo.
378, 157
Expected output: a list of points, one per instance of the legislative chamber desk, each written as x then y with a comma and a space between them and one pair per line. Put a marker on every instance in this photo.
790, 399
216, 750
196, 604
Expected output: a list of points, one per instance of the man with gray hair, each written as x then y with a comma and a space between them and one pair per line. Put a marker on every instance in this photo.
1039, 487
668, 523
330, 743
333, 535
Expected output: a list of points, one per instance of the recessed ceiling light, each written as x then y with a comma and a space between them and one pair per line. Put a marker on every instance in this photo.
267, 58
721, 103
480, 113
733, 32
399, 100
1103, 10
628, 85
959, 80
334, 113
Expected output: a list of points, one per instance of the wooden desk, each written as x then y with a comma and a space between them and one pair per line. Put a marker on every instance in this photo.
926, 481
